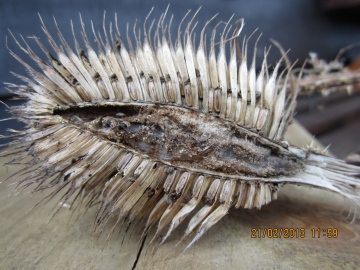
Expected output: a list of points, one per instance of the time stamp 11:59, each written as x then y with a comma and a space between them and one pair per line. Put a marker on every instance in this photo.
294, 233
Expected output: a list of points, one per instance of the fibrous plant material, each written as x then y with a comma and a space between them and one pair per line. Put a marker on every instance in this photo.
329, 77
159, 131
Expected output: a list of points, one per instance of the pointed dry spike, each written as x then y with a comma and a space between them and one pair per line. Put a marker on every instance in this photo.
153, 69
247, 114
252, 87
42, 133
142, 195
52, 42
260, 84
260, 196
267, 193
98, 168
126, 200
121, 92
222, 74
210, 221
42, 91
85, 148
233, 73
116, 181
108, 92
66, 90
126, 167
177, 204
43, 81
129, 70
203, 67
200, 186
119, 70
149, 183
143, 67
70, 64
211, 195
278, 113
269, 99
166, 84
59, 158
94, 91
226, 198
262, 78
79, 173
54, 62
242, 194
180, 60
270, 89
243, 81
65, 153
165, 49
100, 171
120, 182
199, 190
42, 151
251, 193
213, 74
290, 107
178, 40
156, 213
62, 135
198, 218
190, 62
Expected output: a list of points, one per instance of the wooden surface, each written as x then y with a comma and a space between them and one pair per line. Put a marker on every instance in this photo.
27, 241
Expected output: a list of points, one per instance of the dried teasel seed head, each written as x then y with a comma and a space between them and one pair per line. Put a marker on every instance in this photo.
162, 130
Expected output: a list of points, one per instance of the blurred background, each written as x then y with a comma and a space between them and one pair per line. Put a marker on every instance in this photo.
322, 26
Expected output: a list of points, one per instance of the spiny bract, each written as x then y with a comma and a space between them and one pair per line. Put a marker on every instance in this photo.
159, 131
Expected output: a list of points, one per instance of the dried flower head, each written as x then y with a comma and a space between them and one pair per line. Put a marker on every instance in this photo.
161, 130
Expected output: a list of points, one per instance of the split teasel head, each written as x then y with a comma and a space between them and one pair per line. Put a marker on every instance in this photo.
161, 130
